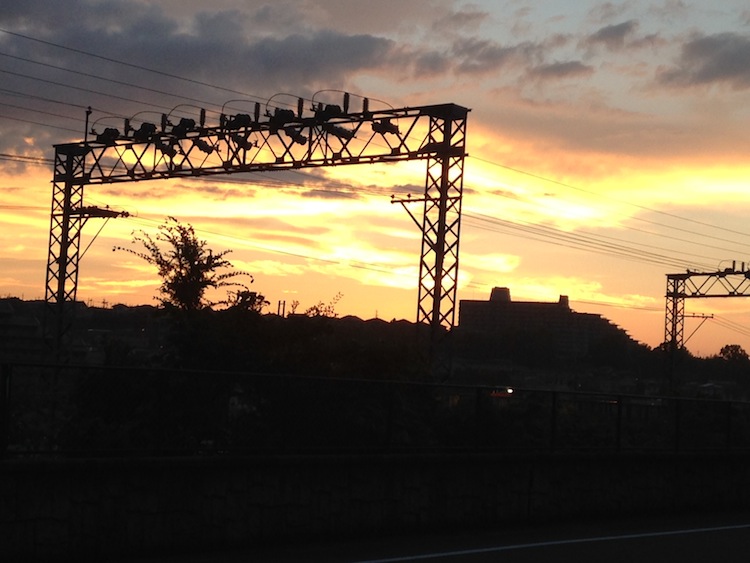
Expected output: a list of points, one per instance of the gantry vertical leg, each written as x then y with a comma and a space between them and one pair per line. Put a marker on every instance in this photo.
64, 242
674, 329
441, 225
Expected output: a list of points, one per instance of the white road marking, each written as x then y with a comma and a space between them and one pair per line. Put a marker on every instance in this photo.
511, 547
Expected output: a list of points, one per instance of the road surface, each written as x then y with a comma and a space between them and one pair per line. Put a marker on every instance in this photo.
722, 538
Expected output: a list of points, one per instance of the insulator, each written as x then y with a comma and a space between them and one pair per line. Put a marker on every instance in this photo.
203, 146
327, 112
238, 121
385, 126
295, 135
340, 132
182, 128
108, 136
280, 118
144, 132
346, 102
167, 149
243, 141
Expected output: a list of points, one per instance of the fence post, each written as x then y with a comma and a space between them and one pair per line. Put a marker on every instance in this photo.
729, 425
553, 422
389, 393
618, 428
5, 376
677, 423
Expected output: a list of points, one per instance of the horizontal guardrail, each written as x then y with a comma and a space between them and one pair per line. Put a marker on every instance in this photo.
64, 410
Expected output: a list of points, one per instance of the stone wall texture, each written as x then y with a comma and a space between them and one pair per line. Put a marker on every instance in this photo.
94, 509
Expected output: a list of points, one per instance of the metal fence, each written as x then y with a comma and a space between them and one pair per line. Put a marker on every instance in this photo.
86, 410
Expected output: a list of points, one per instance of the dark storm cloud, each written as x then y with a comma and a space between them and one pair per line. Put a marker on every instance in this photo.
612, 37
561, 70
211, 46
325, 55
479, 55
713, 59
467, 55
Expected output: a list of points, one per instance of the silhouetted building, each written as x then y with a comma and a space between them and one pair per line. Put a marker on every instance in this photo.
553, 326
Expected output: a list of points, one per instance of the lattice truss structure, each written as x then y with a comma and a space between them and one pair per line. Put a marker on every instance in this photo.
322, 135
730, 282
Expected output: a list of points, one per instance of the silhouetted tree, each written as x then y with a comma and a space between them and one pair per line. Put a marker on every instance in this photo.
187, 267
321, 309
246, 300
734, 353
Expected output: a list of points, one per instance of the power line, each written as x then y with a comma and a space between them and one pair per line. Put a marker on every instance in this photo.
348, 263
579, 241
38, 123
643, 207
27, 159
81, 89
653, 233
131, 65
102, 78
42, 112
731, 325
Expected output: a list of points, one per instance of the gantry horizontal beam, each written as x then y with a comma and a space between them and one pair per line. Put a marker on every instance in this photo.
730, 282
283, 140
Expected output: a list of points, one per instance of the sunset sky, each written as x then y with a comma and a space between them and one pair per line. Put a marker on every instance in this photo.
608, 146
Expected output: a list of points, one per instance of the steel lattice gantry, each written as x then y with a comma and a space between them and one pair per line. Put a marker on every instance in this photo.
730, 282
323, 135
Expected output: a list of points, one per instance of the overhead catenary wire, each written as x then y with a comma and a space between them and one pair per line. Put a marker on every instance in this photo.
131, 65
642, 207
264, 248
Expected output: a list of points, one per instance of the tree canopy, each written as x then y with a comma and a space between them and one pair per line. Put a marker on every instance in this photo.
187, 268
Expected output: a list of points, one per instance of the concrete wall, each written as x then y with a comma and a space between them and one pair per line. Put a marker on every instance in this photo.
94, 509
